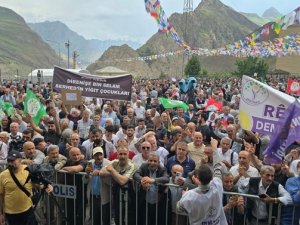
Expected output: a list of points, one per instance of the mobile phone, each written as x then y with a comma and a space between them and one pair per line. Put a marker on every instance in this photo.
178, 174
90, 164
262, 195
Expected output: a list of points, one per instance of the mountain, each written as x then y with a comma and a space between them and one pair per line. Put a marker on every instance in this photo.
271, 13
21, 49
211, 25
57, 34
255, 18
118, 52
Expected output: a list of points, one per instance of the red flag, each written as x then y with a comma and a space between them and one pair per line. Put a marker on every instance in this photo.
293, 87
213, 106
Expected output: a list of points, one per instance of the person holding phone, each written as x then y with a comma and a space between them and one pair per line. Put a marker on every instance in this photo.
99, 188
268, 192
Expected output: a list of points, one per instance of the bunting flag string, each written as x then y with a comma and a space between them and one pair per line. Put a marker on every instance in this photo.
279, 47
156, 11
253, 45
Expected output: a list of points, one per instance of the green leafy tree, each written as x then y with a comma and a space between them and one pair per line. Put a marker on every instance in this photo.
193, 67
162, 76
250, 66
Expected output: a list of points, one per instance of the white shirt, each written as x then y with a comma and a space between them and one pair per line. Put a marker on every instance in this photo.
163, 153
227, 156
114, 139
120, 134
252, 172
139, 132
260, 209
3, 155
131, 145
205, 207
140, 112
88, 144
138, 159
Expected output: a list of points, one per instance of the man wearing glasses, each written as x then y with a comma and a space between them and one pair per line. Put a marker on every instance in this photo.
143, 156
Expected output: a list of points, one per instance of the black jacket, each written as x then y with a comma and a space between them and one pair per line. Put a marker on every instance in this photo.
161, 178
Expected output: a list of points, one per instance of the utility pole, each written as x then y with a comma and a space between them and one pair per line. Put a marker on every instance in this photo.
75, 56
67, 44
187, 9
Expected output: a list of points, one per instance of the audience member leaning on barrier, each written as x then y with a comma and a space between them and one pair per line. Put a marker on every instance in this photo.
269, 191
121, 171
16, 205
75, 208
151, 194
99, 188
54, 158
233, 205
291, 213
177, 185
204, 203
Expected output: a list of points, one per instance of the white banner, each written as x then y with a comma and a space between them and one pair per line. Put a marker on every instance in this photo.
261, 106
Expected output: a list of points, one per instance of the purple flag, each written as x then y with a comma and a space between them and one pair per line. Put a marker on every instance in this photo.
287, 131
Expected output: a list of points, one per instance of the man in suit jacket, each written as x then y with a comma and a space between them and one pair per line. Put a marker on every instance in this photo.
150, 175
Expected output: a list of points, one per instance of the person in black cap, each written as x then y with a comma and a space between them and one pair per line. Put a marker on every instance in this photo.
10, 193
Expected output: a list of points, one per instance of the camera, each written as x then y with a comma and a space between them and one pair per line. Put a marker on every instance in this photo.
16, 144
41, 173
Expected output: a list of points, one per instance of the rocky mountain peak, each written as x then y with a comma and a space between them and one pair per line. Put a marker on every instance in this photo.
272, 12
210, 4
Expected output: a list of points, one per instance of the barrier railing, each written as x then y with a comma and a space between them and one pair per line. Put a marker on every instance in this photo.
77, 201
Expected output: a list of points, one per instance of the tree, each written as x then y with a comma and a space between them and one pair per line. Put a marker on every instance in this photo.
193, 68
162, 75
250, 66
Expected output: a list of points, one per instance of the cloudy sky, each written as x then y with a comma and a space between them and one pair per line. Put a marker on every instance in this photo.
120, 19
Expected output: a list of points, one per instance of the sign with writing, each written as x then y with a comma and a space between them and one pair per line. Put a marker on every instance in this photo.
71, 97
287, 131
64, 191
117, 87
261, 106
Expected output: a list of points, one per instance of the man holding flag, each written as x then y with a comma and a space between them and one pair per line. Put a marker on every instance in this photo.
34, 111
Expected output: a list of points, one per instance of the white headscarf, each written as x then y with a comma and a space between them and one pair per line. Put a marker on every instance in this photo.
293, 167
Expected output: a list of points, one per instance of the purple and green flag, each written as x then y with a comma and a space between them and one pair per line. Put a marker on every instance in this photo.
287, 131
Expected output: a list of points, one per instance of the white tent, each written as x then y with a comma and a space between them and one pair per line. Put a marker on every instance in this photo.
47, 74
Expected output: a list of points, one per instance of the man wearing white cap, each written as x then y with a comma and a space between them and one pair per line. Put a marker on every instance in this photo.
99, 188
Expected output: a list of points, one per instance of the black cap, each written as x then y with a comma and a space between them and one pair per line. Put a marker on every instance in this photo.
13, 155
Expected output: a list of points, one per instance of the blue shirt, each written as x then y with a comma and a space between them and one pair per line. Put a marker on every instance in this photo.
292, 186
188, 165
151, 196
96, 182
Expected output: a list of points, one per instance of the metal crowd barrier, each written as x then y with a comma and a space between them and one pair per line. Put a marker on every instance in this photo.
74, 203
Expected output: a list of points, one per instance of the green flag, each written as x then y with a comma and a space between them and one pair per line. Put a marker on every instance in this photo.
7, 107
169, 104
33, 106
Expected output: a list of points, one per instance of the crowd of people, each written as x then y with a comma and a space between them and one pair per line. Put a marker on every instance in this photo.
173, 165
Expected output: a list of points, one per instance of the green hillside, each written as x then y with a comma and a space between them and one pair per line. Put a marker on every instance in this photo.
21, 49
